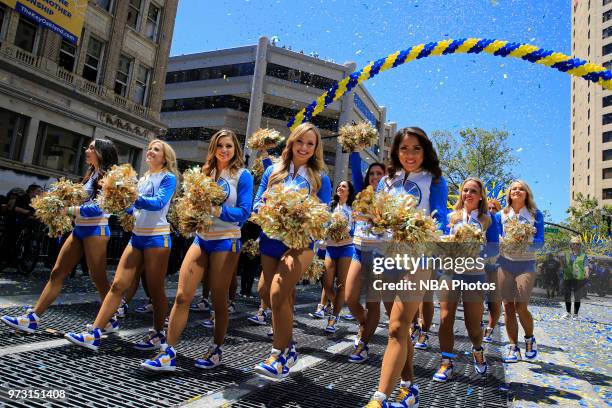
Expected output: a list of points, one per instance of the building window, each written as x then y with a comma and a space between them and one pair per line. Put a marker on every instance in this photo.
153, 19
60, 149
607, 173
607, 32
142, 84
25, 37
133, 13
606, 119
607, 137
93, 60
123, 76
606, 155
606, 101
606, 2
588, 164
106, 5
572, 181
2, 15
589, 114
297, 76
588, 146
606, 194
589, 130
608, 64
128, 154
573, 153
67, 56
12, 134
606, 49
202, 74
589, 97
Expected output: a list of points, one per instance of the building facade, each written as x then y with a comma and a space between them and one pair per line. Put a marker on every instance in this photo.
55, 96
591, 120
262, 85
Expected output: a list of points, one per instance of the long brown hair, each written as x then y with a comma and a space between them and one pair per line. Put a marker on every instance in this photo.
483, 206
107, 157
235, 164
315, 165
431, 163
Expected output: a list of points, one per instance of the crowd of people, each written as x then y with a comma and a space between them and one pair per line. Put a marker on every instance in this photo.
214, 257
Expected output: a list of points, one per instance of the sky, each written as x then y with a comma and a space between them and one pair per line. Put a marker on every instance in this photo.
529, 101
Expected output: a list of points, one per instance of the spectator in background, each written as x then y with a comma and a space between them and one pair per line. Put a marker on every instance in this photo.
575, 272
550, 269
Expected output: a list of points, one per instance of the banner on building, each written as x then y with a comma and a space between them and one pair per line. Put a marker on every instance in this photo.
65, 17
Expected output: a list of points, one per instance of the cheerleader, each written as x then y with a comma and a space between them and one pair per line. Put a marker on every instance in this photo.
301, 165
89, 237
361, 264
214, 252
339, 255
471, 208
517, 270
415, 170
148, 248
493, 301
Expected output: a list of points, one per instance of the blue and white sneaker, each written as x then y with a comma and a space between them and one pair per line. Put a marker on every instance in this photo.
210, 322
407, 397
123, 309
514, 354
292, 355
445, 372
348, 317
319, 313
531, 348
202, 306
331, 325
153, 341
27, 322
274, 366
415, 332
480, 362
211, 358
89, 339
422, 342
112, 326
164, 361
145, 307
270, 332
488, 335
259, 317
359, 354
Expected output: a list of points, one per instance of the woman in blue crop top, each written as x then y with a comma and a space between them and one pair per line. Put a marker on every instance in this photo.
214, 252
415, 170
301, 165
89, 237
148, 249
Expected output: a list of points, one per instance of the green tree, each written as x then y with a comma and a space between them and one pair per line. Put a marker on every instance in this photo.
586, 217
474, 153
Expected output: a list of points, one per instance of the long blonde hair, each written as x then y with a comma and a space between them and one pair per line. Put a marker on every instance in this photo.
236, 163
529, 202
169, 156
315, 165
483, 206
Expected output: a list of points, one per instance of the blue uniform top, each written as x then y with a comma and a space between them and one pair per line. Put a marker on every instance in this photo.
431, 196
298, 181
236, 207
89, 213
155, 191
355, 160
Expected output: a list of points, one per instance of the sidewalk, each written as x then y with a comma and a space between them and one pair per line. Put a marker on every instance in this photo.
574, 368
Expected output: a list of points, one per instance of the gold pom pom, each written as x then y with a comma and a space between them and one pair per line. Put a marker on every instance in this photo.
49, 205
127, 221
315, 270
194, 207
292, 216
264, 138
119, 189
517, 237
251, 248
357, 137
465, 241
339, 229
